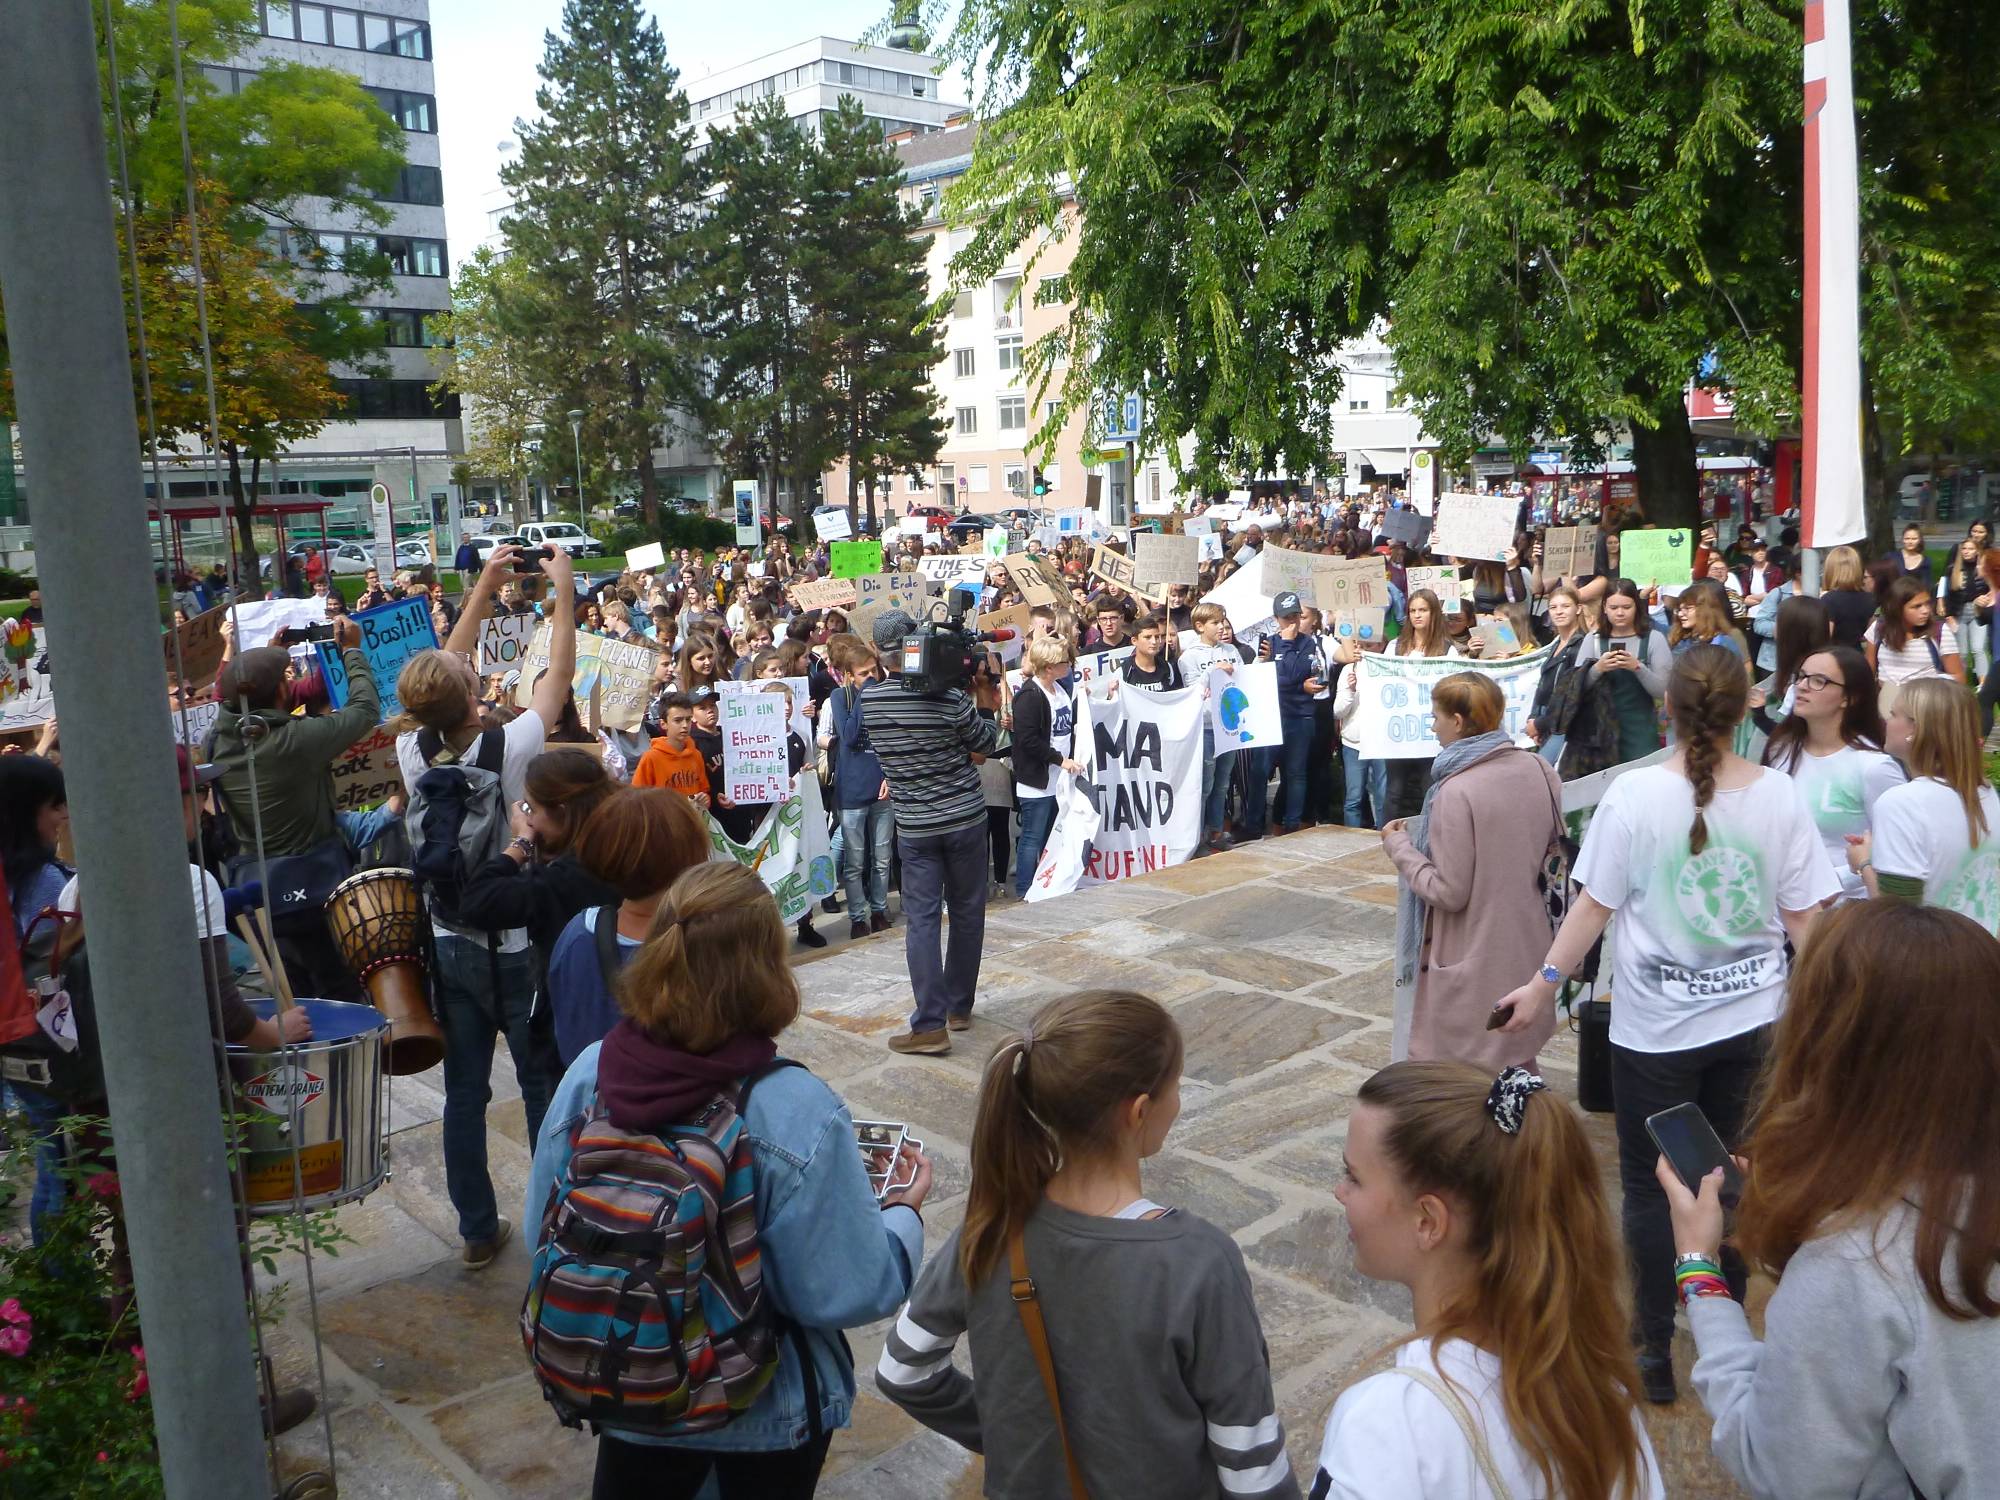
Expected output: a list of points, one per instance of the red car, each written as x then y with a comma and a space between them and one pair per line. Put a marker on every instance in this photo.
936, 517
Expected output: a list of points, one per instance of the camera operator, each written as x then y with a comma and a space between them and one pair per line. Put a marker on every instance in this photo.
929, 743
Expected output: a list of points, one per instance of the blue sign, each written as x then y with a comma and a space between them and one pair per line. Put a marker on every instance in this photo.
1548, 457
390, 635
1122, 417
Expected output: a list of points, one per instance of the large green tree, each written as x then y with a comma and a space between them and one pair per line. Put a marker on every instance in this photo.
606, 197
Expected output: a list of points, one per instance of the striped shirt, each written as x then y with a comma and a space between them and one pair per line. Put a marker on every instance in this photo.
925, 742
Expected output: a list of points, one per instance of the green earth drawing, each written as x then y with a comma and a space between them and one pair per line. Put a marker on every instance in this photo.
1719, 893
1975, 891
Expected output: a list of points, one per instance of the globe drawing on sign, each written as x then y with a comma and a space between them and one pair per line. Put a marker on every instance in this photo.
1719, 893
1234, 704
1976, 891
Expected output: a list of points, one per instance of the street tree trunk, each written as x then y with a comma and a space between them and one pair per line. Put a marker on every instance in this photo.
1663, 456
246, 524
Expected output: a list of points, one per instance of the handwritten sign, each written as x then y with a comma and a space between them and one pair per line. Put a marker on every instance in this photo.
1405, 526
1363, 625
754, 765
1158, 561
1243, 709
1475, 526
833, 525
1341, 585
950, 571
390, 635
995, 542
1288, 571
877, 593
503, 641
1039, 583
822, 593
624, 682
799, 688
192, 726
1653, 556
854, 559
1569, 551
195, 649
1092, 666
366, 773
1440, 581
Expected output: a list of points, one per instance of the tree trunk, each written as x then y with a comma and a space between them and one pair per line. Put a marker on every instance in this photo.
246, 528
635, 386
1663, 456
520, 503
1879, 500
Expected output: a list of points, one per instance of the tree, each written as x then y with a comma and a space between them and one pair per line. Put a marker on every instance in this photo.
875, 333
767, 402
605, 199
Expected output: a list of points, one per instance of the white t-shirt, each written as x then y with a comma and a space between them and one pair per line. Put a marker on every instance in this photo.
1915, 659
1700, 948
1062, 737
1841, 790
1921, 832
1391, 1438
524, 736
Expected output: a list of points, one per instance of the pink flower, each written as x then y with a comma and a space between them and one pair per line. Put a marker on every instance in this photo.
14, 1341
139, 1354
11, 1311
103, 1457
139, 1387
102, 1185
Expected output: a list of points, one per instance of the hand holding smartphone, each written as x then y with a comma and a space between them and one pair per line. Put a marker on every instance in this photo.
1693, 1150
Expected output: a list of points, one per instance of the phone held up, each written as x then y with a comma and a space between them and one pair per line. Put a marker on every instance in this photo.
530, 559
1691, 1146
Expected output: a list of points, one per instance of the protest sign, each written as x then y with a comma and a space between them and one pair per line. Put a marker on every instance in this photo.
1243, 707
949, 571
1094, 666
194, 650
913, 526
1653, 556
1496, 637
1116, 569
366, 772
1225, 512
1440, 581
822, 593
1569, 551
1343, 585
652, 555
503, 640
754, 767
1243, 596
1015, 618
192, 723
1423, 481
1039, 583
1363, 626
1405, 526
1475, 526
1395, 699
853, 559
258, 620
995, 543
1158, 561
1196, 526
800, 689
390, 635
1137, 808
1286, 570
876, 593
790, 851
624, 682
833, 525
534, 665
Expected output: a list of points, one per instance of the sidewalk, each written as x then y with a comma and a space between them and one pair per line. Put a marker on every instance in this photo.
1276, 960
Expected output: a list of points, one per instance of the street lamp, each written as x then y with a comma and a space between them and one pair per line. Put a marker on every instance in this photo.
531, 446
576, 437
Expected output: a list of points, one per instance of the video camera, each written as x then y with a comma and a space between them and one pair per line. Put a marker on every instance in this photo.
939, 654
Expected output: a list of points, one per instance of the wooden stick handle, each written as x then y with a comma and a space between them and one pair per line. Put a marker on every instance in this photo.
285, 997
247, 930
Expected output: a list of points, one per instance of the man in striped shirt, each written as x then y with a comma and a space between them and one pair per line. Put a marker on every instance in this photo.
926, 743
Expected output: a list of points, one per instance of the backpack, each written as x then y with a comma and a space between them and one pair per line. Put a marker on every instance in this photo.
458, 815
645, 1307
48, 1012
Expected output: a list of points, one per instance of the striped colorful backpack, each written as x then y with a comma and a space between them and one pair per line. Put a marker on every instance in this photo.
645, 1310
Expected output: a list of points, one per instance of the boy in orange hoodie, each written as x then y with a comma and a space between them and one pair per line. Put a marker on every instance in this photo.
672, 760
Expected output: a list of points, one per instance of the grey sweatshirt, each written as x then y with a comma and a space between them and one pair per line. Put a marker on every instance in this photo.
1165, 1382
1861, 1387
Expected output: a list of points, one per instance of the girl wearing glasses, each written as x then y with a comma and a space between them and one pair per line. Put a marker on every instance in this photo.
1831, 745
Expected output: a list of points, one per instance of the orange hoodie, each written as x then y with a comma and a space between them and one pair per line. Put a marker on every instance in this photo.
680, 770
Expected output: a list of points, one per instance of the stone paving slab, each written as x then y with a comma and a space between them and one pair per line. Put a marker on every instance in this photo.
1276, 961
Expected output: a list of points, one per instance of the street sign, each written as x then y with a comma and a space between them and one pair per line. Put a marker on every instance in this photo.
1122, 417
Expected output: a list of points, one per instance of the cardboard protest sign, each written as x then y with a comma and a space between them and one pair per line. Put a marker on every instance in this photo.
192, 722
1196, 525
1118, 570
790, 851
1496, 637
1158, 561
1225, 512
833, 525
1395, 699
366, 773
853, 559
1362, 625
822, 593
390, 635
1654, 556
877, 593
1039, 583
1440, 581
624, 682
194, 650
503, 640
1137, 808
1405, 526
1569, 551
1017, 618
800, 690
652, 555
1343, 585
754, 764
950, 571
1243, 707
1475, 526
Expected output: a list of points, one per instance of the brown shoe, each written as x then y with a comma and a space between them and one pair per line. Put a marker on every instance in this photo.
478, 1253
923, 1043
856, 931
959, 1023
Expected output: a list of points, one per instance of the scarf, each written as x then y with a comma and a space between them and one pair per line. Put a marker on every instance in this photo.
647, 1084
1411, 912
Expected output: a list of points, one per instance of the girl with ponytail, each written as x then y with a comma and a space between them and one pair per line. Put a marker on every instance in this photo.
1481, 1195
1712, 863
1116, 1342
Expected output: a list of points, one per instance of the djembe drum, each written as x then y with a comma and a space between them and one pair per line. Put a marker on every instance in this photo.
378, 923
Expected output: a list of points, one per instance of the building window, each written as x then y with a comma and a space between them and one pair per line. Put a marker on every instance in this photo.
413, 257
393, 398
335, 26
1357, 406
947, 476
1156, 485
416, 185
1006, 314
1049, 410
346, 29
913, 484
405, 327
957, 239
961, 306
961, 364
1010, 353
1013, 413
1015, 478
975, 479
315, 25
416, 112
968, 419
1052, 289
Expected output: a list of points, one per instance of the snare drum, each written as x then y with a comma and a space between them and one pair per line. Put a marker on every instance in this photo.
323, 1096
378, 922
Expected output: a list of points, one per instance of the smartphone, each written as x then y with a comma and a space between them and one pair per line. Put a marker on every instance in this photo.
1690, 1144
530, 559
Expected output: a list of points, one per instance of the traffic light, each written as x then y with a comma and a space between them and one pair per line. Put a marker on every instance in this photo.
1041, 485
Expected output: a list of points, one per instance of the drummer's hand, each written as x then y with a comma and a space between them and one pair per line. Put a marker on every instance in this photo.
295, 1025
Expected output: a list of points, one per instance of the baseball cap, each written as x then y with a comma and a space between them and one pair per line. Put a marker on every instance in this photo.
1285, 604
890, 628
193, 775
702, 693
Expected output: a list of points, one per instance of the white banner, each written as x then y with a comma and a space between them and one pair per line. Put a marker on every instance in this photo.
1243, 597
790, 850
652, 555
257, 620
1395, 706
1137, 808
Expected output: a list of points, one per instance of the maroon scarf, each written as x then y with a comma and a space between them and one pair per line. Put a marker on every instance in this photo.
647, 1084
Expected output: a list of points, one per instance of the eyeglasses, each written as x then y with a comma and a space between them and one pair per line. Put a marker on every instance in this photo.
1819, 680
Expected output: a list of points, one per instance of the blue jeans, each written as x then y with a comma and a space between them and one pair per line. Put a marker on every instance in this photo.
864, 857
1215, 779
943, 871
481, 994
1371, 776
1296, 756
45, 1113
1038, 816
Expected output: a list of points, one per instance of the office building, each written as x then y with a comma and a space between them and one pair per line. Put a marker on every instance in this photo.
900, 89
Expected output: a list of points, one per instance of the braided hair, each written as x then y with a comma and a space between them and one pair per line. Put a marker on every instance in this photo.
1706, 696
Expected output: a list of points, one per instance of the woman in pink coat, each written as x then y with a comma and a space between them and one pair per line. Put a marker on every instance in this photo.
1470, 912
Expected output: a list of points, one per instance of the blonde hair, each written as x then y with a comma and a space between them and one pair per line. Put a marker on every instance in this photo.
1207, 614
1048, 651
1945, 742
1842, 570
713, 965
432, 689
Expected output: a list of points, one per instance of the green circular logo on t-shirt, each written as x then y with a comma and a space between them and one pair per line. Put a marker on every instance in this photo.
1975, 891
1719, 893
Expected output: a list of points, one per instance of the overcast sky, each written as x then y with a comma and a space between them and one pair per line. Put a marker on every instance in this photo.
487, 52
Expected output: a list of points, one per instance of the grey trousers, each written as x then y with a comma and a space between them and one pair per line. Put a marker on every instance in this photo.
943, 872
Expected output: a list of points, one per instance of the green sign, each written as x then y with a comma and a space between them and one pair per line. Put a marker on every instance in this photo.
9, 500
1653, 556
855, 559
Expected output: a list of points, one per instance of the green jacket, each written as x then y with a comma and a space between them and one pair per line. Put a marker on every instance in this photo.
294, 760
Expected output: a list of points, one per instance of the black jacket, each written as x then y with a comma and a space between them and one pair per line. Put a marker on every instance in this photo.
541, 898
1034, 754
1557, 667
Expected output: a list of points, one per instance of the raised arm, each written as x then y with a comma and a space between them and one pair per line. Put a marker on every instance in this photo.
478, 602
553, 689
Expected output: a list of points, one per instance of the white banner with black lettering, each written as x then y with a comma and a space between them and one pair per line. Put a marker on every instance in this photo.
1395, 698
1137, 808
790, 850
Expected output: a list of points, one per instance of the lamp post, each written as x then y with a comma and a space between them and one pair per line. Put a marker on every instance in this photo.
576, 436
532, 450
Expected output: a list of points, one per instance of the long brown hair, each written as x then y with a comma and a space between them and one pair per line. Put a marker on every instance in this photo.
1546, 1294
1902, 592
1706, 696
1945, 742
571, 785
1860, 714
1894, 1001
1711, 614
714, 964
1433, 641
1050, 1095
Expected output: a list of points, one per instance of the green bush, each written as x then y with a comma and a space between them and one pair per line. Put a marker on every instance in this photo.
15, 585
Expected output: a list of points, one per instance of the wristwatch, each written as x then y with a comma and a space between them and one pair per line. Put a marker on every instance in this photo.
1551, 974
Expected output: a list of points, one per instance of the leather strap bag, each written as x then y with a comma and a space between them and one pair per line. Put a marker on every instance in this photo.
1030, 1308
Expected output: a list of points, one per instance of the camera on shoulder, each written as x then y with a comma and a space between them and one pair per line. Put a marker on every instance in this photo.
939, 655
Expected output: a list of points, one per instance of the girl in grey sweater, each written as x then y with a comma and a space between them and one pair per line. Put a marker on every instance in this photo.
1872, 1188
1161, 1383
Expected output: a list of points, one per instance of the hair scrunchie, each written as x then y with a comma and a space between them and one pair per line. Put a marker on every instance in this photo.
1507, 1100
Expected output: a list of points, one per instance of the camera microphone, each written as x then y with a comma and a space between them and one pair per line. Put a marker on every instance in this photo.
1003, 634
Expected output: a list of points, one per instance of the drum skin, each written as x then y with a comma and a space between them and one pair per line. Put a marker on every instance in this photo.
378, 922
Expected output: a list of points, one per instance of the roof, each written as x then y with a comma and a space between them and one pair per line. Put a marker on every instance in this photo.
208, 508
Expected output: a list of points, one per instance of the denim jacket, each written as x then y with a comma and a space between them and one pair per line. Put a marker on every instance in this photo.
832, 1259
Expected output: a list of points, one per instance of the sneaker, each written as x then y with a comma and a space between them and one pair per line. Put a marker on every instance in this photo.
959, 1023
1656, 1376
880, 922
923, 1043
830, 905
287, 1409
809, 937
857, 931
481, 1252
1221, 842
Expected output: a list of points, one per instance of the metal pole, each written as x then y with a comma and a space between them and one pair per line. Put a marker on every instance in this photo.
73, 379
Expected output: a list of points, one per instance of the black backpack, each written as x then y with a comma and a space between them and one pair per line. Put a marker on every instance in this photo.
458, 815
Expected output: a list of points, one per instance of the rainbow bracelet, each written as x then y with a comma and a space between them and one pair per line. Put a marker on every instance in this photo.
1697, 1277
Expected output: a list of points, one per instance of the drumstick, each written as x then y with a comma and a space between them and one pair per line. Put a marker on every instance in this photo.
248, 932
284, 993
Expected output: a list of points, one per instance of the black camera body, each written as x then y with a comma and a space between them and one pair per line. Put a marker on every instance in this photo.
299, 635
938, 655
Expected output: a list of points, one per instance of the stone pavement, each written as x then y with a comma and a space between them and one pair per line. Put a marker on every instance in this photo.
1276, 961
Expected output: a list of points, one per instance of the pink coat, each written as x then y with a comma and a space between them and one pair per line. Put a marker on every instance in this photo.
1487, 930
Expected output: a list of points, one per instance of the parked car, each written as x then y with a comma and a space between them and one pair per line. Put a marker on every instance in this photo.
342, 558
567, 535
413, 552
484, 545
968, 528
936, 515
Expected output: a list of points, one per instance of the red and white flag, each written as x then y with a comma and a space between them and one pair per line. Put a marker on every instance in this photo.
1831, 510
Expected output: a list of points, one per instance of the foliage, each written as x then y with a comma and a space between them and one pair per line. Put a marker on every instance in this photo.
605, 200
673, 530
